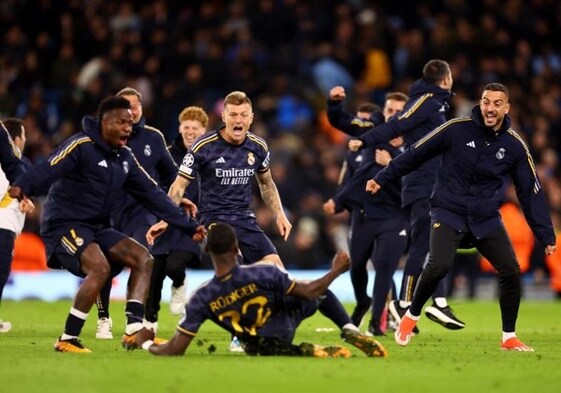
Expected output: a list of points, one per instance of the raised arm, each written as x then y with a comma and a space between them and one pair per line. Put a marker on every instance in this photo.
313, 289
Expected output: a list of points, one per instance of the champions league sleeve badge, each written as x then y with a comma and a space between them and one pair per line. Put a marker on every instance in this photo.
188, 160
187, 163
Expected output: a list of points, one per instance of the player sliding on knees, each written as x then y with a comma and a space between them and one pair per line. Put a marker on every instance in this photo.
268, 306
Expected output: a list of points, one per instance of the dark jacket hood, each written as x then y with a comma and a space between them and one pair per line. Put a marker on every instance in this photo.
90, 126
421, 86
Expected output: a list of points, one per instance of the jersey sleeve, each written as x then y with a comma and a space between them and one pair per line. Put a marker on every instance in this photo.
195, 315
426, 148
532, 197
417, 113
62, 161
189, 167
276, 278
166, 167
342, 120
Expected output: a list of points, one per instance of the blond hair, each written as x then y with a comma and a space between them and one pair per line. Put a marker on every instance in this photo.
237, 98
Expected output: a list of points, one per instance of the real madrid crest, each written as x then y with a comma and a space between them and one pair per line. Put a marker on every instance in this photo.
79, 241
147, 151
126, 166
500, 154
250, 158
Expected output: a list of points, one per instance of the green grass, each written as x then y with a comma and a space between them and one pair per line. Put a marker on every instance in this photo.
437, 360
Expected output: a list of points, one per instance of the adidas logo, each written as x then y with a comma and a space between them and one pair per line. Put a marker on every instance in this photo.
402, 233
102, 163
471, 144
221, 160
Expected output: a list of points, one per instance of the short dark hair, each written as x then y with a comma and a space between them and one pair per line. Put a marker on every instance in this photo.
14, 127
497, 87
221, 238
435, 71
111, 103
368, 107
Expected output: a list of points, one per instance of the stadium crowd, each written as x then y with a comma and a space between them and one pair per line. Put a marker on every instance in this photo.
59, 59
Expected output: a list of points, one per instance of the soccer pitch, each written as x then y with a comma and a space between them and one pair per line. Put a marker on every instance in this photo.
437, 360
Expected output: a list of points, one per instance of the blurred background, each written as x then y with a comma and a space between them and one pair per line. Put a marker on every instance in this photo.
60, 58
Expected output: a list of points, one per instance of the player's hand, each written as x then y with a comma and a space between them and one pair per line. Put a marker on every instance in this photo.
550, 249
15, 192
355, 145
337, 93
26, 205
189, 207
144, 335
155, 231
199, 234
382, 157
372, 187
284, 226
329, 207
341, 262
397, 141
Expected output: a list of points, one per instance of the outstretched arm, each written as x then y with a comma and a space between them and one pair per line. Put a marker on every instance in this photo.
176, 346
313, 289
177, 189
271, 197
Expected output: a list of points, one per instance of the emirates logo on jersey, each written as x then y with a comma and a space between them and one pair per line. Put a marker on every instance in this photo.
250, 158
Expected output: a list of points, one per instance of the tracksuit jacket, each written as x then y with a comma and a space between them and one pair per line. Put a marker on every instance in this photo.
359, 167
173, 239
150, 149
85, 174
424, 111
475, 160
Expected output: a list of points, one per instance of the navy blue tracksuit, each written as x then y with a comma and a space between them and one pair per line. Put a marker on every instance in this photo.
173, 251
86, 174
466, 200
379, 229
425, 110
378, 223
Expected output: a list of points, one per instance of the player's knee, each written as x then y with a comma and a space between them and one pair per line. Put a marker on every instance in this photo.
510, 271
100, 270
144, 261
436, 270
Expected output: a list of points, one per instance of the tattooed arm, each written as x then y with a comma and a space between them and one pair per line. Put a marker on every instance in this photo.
271, 197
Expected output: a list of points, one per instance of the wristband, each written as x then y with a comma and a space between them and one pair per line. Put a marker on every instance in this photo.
147, 344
